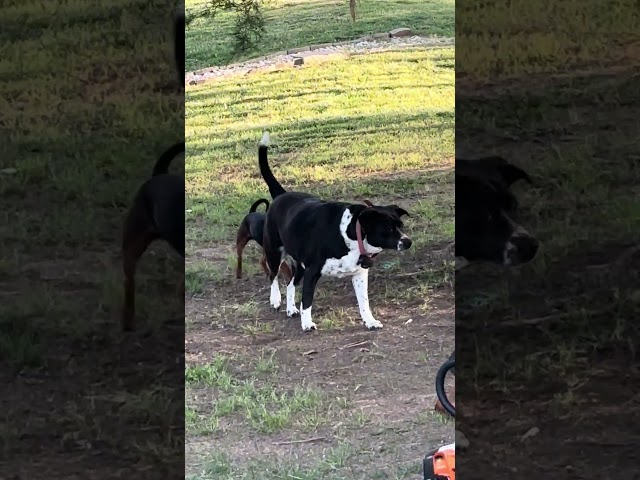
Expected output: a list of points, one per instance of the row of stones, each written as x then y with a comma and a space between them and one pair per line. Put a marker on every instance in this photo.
396, 33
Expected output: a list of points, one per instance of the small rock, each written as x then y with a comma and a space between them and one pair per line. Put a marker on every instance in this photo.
298, 61
400, 32
8, 171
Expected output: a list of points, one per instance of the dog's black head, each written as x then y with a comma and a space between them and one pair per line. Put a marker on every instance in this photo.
382, 227
485, 205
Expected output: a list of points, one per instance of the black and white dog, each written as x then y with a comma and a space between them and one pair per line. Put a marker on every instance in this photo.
324, 238
485, 205
485, 229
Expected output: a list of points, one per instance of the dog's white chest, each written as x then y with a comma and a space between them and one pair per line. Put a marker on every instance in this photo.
346, 266
342, 267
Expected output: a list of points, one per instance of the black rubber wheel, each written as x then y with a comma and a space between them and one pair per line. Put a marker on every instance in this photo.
440, 392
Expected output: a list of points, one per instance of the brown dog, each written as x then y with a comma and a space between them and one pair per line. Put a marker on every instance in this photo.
157, 213
251, 228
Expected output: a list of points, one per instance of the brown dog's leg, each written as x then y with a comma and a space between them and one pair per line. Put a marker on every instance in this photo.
284, 269
263, 264
136, 238
132, 251
286, 272
242, 239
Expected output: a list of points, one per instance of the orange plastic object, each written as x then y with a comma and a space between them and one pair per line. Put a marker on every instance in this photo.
441, 464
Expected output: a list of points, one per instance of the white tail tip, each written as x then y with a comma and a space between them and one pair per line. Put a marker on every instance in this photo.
265, 140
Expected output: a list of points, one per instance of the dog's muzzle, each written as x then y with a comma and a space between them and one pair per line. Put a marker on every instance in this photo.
521, 248
404, 243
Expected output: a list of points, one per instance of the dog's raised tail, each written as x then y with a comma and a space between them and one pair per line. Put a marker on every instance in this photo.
275, 188
162, 164
257, 203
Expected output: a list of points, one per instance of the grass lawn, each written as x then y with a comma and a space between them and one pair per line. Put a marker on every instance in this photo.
79, 134
497, 39
550, 345
299, 23
377, 127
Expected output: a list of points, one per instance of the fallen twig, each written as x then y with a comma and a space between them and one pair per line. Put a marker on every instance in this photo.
548, 318
358, 344
293, 442
410, 274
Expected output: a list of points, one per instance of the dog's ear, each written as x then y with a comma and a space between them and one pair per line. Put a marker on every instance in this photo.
399, 210
511, 174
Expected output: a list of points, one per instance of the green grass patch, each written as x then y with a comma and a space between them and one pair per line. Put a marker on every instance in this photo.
254, 395
300, 23
330, 466
198, 275
497, 38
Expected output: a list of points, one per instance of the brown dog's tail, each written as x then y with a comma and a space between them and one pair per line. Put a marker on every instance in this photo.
255, 205
162, 165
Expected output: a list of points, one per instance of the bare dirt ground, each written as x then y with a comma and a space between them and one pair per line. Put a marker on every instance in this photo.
376, 387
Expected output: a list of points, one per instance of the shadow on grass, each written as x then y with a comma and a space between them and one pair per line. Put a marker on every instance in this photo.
584, 166
492, 40
302, 134
206, 96
80, 134
545, 342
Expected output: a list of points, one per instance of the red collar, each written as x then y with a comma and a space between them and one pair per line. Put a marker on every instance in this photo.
363, 251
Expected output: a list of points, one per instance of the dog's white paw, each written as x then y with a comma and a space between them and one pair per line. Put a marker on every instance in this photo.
309, 327
305, 318
275, 302
373, 324
275, 299
291, 300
